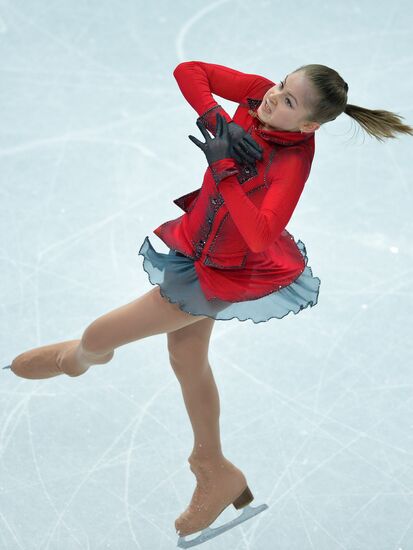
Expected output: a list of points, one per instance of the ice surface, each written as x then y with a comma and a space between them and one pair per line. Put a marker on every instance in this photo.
316, 408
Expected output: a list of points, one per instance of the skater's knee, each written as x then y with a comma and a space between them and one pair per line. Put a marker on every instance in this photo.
188, 347
188, 362
93, 340
74, 374
190, 372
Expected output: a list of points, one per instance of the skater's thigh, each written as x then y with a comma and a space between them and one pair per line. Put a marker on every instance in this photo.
188, 346
147, 315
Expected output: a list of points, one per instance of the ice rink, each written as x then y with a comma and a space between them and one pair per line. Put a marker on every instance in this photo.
316, 408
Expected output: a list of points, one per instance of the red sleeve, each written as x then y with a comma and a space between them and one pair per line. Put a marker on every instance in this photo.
260, 227
198, 81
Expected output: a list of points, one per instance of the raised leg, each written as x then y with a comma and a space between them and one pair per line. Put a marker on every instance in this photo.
147, 315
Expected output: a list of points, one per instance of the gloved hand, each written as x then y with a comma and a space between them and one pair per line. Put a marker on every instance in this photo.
244, 149
217, 148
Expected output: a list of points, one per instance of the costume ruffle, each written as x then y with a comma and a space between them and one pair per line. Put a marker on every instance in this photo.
176, 276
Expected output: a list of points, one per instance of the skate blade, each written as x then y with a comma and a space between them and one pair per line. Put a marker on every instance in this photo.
210, 533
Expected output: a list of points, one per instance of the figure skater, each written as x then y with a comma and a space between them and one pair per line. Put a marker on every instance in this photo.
230, 255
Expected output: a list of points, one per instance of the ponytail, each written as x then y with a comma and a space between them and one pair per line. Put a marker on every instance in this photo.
330, 100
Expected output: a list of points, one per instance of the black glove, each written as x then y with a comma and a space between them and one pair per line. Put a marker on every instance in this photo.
243, 147
217, 148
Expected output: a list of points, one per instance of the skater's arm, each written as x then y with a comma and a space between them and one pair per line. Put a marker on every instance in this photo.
260, 227
198, 81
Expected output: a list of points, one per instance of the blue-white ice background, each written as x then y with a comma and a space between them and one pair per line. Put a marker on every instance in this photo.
316, 408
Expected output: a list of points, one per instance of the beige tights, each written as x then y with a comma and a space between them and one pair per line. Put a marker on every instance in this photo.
188, 341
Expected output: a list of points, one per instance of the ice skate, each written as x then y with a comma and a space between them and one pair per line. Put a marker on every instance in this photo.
218, 486
53, 360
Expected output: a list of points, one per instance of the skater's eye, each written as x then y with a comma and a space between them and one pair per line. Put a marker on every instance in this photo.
282, 87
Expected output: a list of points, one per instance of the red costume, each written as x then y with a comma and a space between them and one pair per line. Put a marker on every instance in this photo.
234, 224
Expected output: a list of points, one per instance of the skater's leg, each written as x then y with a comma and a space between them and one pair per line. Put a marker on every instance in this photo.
147, 315
188, 355
219, 482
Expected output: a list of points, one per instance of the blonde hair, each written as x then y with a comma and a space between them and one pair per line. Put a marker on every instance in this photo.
330, 100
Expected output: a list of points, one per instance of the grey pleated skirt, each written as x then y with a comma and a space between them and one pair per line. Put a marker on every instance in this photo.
178, 281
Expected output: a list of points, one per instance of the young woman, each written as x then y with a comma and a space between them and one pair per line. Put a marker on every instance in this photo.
230, 255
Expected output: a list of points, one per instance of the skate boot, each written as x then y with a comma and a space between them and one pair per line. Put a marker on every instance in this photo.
219, 484
55, 359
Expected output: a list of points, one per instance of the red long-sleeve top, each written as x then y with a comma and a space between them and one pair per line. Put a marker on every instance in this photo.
259, 226
272, 256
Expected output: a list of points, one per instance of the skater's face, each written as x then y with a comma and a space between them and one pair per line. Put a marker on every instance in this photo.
287, 102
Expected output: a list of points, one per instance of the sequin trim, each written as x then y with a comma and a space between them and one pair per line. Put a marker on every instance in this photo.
209, 118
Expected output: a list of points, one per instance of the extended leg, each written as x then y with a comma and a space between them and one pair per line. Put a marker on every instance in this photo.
147, 315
